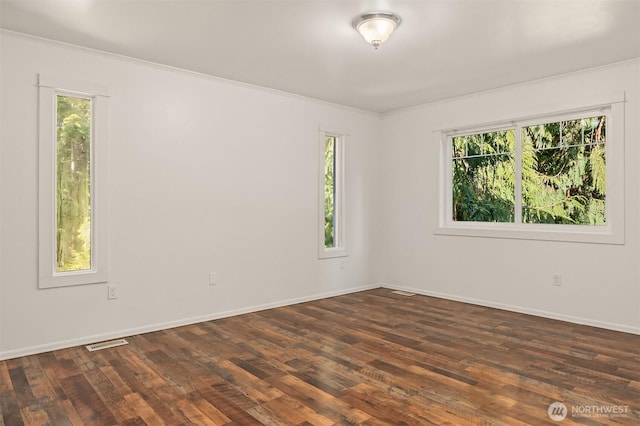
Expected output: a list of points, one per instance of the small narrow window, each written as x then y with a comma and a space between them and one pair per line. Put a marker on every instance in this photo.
331, 195
72, 162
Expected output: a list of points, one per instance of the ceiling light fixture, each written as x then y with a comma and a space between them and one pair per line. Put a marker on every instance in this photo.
376, 27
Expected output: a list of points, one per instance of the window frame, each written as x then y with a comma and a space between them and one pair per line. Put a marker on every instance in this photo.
49, 88
340, 247
610, 233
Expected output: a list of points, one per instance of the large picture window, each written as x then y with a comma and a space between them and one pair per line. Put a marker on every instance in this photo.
541, 178
72, 160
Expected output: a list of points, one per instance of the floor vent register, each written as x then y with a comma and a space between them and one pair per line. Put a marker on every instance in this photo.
104, 345
403, 293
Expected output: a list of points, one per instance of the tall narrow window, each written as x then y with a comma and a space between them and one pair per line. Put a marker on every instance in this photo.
73, 184
330, 240
331, 195
72, 162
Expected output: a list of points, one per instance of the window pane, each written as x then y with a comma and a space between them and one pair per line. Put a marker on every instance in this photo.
484, 177
73, 184
329, 191
564, 182
459, 146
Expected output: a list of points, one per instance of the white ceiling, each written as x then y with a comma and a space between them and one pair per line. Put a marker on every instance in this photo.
442, 48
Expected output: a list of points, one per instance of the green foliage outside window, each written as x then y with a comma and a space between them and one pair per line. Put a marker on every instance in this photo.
329, 191
563, 174
483, 177
73, 184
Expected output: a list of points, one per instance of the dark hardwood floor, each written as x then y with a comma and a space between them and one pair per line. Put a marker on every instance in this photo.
366, 358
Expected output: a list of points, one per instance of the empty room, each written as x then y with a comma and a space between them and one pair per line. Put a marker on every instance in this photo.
292, 212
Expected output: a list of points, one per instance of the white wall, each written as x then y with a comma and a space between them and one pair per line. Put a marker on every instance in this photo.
600, 282
210, 176
204, 176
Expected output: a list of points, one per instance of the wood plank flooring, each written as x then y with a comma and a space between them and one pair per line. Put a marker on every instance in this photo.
371, 358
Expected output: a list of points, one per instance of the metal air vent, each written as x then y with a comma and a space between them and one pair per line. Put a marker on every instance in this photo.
105, 345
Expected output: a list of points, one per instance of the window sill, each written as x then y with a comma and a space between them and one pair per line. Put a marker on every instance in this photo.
66, 279
562, 233
333, 253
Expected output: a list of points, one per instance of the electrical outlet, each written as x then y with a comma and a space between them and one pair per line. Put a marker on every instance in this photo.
112, 292
557, 280
213, 278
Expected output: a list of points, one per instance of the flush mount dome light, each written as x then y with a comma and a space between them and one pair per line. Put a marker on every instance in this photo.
376, 27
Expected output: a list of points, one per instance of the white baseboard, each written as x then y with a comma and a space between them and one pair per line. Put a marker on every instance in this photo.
520, 309
224, 314
171, 324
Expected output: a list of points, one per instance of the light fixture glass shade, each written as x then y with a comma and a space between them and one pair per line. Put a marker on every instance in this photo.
376, 27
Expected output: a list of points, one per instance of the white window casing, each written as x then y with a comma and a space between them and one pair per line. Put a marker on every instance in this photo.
610, 233
49, 88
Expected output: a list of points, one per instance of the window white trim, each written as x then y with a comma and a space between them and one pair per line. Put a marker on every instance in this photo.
47, 93
89, 88
611, 233
340, 248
